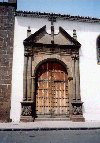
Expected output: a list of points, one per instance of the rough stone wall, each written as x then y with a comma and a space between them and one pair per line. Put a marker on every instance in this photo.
6, 57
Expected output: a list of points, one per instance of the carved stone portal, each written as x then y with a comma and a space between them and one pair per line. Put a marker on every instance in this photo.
39, 48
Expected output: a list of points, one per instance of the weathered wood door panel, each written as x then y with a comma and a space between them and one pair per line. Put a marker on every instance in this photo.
52, 91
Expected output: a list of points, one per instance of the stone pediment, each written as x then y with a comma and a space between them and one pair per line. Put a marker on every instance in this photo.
42, 37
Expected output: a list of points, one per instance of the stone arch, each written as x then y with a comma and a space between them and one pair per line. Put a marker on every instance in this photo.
71, 63
61, 61
49, 59
62, 83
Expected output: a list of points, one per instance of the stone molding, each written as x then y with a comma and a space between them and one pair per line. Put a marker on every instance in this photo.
57, 16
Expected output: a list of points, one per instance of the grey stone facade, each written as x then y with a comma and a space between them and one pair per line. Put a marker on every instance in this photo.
7, 11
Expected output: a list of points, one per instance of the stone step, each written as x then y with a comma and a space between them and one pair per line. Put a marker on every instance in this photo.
52, 119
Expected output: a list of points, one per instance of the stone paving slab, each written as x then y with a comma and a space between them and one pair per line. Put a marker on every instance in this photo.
49, 125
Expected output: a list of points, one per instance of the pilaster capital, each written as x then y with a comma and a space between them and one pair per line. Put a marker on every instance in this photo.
33, 77
75, 57
28, 52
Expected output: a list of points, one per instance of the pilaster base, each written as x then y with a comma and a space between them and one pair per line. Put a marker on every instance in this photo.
27, 119
77, 118
27, 114
77, 115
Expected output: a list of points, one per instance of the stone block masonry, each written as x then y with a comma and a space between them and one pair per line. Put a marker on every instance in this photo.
7, 11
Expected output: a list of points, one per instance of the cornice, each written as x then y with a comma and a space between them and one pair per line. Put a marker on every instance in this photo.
57, 16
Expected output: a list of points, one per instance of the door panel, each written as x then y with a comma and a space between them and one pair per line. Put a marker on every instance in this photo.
52, 91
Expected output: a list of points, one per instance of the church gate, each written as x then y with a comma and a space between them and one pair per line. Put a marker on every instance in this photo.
52, 98
51, 76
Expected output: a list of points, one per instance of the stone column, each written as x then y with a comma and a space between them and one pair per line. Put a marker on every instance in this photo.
33, 89
29, 74
77, 77
77, 114
70, 91
27, 103
25, 78
74, 79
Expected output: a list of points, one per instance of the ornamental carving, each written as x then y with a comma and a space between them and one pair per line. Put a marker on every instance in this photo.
60, 53
26, 111
77, 108
56, 49
75, 57
28, 52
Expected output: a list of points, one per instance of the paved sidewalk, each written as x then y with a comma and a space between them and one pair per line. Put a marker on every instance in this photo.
49, 125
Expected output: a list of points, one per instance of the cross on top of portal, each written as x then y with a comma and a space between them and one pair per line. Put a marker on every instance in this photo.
52, 19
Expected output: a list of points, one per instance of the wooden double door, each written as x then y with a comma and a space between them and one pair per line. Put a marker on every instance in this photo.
52, 98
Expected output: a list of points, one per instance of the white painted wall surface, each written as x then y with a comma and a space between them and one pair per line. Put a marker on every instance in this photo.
87, 34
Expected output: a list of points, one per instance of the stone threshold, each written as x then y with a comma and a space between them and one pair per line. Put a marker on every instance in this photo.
52, 119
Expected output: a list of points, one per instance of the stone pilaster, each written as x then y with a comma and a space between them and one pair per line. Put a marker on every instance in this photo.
25, 77
27, 103
27, 111
74, 79
29, 83
33, 89
77, 114
77, 75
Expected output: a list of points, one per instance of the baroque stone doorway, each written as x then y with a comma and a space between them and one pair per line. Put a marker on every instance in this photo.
52, 99
50, 88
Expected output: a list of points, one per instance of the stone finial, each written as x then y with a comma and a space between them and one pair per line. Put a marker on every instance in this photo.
28, 31
74, 34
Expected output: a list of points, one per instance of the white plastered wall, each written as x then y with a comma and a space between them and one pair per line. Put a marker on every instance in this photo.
87, 34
